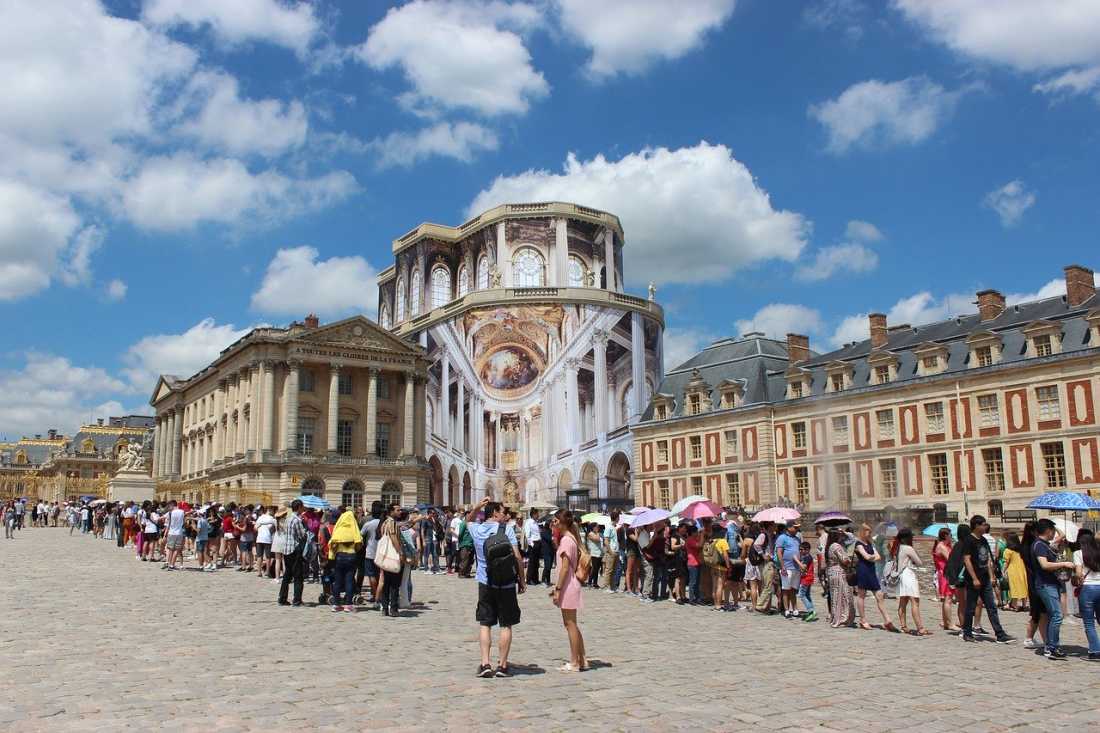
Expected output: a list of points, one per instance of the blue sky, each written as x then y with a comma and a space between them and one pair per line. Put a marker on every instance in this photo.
173, 172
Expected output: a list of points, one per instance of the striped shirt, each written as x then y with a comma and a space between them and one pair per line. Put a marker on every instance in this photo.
292, 537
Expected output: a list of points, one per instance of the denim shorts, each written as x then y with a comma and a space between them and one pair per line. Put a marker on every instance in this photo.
369, 568
200, 546
245, 545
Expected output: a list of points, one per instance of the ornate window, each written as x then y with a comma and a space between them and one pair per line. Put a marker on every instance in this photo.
483, 273
527, 268
463, 280
306, 380
414, 295
88, 446
401, 300
441, 286
384, 317
578, 273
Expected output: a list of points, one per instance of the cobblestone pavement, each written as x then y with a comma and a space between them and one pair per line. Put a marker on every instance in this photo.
93, 639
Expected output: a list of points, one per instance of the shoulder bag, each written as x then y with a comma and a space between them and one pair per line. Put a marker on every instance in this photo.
386, 556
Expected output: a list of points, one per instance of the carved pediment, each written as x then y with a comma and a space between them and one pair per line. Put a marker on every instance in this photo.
360, 332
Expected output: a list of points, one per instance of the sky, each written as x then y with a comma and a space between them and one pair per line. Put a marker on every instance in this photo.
175, 172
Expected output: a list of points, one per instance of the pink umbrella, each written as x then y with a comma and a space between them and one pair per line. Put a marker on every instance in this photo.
701, 509
777, 514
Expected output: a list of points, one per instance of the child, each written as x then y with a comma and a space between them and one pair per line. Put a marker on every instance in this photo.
806, 582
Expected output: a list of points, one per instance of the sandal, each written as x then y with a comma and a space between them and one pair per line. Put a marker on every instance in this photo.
923, 632
905, 629
865, 626
568, 667
889, 626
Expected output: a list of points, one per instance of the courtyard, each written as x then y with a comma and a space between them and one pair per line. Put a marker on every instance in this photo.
91, 639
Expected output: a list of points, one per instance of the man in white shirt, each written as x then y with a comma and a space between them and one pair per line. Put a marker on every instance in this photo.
174, 540
265, 533
534, 546
452, 533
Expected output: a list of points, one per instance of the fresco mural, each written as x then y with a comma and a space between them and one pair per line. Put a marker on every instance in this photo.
508, 368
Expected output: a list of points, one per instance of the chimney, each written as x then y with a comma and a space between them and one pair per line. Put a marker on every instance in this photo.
311, 321
798, 347
990, 304
52, 432
1080, 285
878, 330
99, 421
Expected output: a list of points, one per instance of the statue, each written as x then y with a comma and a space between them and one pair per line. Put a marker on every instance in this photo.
652, 290
131, 459
590, 279
494, 276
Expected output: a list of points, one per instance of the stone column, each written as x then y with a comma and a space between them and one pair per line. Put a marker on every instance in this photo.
268, 416
460, 415
574, 406
544, 433
230, 447
612, 405
254, 407
292, 387
445, 400
599, 396
609, 257
219, 408
498, 453
420, 434
561, 251
372, 411
407, 416
522, 440
177, 439
504, 258
333, 406
637, 365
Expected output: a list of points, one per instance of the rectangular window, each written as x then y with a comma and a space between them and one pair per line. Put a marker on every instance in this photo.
882, 374
731, 444
843, 482
304, 441
733, 489
728, 400
930, 363
695, 405
697, 485
798, 434
305, 380
343, 437
933, 414
840, 430
663, 499
989, 411
661, 412
1042, 345
344, 384
885, 420
937, 465
802, 485
994, 469
1054, 463
382, 440
985, 355
383, 388
1048, 402
796, 390
837, 382
662, 451
696, 447
888, 467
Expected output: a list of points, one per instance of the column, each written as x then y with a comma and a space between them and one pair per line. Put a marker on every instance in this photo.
475, 410
242, 424
333, 406
460, 414
599, 396
254, 407
573, 405
268, 415
292, 386
407, 414
177, 438
419, 416
219, 408
612, 405
637, 365
504, 257
445, 400
497, 454
609, 256
230, 421
544, 431
561, 251
156, 448
372, 411
522, 440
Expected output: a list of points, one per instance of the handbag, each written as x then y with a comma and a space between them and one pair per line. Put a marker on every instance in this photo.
386, 556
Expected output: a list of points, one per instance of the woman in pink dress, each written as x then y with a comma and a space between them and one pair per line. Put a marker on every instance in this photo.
567, 592
941, 550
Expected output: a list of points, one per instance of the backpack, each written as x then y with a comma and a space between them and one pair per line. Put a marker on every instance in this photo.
500, 562
584, 567
891, 574
755, 556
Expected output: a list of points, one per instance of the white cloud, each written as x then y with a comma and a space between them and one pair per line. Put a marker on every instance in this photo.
876, 114
461, 141
776, 320
116, 290
846, 16
35, 231
297, 283
78, 270
628, 36
51, 392
691, 215
1074, 81
1024, 34
862, 231
173, 193
837, 258
680, 344
465, 54
915, 310
219, 119
289, 24
1051, 289
1010, 201
180, 354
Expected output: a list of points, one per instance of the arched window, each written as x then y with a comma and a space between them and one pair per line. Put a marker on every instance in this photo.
483, 273
414, 295
390, 493
463, 281
578, 273
628, 400
384, 317
441, 286
527, 268
401, 301
313, 487
351, 494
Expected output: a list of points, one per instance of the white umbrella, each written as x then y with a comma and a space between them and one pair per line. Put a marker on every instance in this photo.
687, 501
626, 520
638, 510
101, 502
651, 517
1066, 527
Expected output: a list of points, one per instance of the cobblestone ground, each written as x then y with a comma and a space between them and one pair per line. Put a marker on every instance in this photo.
93, 639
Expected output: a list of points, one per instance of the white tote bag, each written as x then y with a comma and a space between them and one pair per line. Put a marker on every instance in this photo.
386, 556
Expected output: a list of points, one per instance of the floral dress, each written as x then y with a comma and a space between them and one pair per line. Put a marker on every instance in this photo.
840, 593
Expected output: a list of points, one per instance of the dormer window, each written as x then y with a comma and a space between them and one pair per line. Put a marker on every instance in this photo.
931, 363
795, 390
732, 394
840, 376
662, 406
695, 405
697, 392
1044, 338
931, 358
882, 374
837, 382
661, 412
1043, 345
984, 356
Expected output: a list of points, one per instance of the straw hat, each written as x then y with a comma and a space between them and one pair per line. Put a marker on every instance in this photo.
282, 513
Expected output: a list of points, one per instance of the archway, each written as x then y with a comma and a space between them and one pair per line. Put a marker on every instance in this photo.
565, 481
390, 493
467, 489
436, 492
590, 478
351, 494
618, 481
313, 486
453, 485
490, 489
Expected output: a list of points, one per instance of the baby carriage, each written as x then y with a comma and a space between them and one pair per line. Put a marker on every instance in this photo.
327, 577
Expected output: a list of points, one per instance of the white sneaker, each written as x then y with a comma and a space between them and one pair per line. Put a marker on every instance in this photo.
1030, 644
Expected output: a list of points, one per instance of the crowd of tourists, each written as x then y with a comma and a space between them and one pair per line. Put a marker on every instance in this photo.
366, 560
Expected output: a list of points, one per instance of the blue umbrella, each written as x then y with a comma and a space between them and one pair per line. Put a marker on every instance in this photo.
314, 502
933, 530
1065, 500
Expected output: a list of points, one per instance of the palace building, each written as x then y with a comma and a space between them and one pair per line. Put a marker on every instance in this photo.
976, 414
331, 410
539, 361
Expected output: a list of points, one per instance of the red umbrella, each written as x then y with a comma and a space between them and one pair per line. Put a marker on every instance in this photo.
184, 506
700, 510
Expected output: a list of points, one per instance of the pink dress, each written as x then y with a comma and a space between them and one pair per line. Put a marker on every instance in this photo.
570, 596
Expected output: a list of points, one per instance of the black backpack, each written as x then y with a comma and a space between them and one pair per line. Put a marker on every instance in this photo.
500, 562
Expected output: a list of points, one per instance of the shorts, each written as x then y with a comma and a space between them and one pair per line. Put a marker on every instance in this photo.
1035, 605
497, 606
263, 549
175, 541
200, 546
228, 535
150, 536
369, 568
245, 545
790, 578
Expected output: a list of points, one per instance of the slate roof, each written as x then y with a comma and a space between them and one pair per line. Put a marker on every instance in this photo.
37, 454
